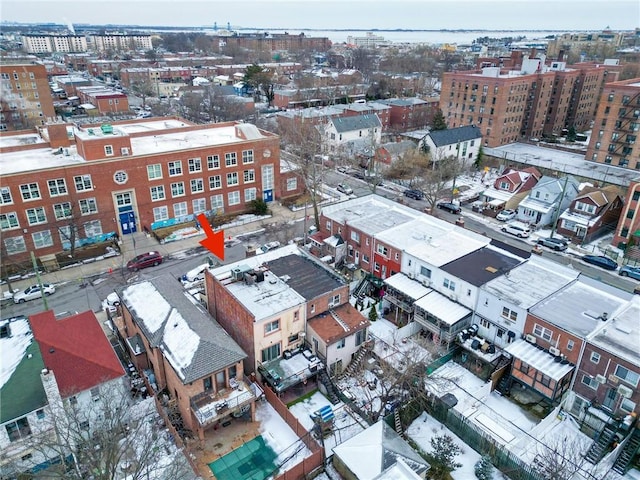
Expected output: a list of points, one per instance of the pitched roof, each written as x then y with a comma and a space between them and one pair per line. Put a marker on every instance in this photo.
190, 339
338, 323
482, 266
356, 122
21, 389
454, 135
77, 350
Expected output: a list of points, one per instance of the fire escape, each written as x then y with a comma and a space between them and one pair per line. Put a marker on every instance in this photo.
626, 130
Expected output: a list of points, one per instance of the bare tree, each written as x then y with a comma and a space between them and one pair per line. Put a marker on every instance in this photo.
108, 437
435, 181
144, 89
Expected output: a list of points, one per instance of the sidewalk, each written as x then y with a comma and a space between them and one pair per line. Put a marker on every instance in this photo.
139, 242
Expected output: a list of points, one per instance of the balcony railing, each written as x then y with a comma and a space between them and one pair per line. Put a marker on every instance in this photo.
211, 407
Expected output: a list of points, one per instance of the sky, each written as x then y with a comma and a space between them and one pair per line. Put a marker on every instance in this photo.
336, 14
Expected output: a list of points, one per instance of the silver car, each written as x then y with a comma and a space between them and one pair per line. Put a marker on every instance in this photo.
33, 292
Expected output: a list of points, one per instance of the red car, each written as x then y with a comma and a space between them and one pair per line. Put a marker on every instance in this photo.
149, 259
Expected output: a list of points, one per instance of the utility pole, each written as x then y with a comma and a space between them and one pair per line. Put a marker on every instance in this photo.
555, 220
35, 269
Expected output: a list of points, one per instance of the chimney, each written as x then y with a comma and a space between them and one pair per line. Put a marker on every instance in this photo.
57, 133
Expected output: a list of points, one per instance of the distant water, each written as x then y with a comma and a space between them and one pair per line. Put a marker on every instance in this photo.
421, 36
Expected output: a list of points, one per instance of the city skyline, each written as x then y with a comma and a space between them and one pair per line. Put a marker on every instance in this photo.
567, 15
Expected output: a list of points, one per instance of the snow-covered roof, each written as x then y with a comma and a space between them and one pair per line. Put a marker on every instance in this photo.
445, 248
356, 122
371, 220
541, 360
383, 447
369, 205
14, 346
531, 282
621, 335
399, 471
452, 136
194, 343
408, 287
501, 195
441, 307
578, 307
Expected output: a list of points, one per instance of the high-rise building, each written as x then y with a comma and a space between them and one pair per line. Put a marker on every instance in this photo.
25, 96
48, 43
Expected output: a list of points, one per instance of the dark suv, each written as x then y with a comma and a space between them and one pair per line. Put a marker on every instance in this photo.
149, 259
415, 194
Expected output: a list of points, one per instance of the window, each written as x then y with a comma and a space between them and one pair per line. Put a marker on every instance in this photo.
340, 343
83, 182
108, 150
524, 367
247, 156
509, 314
382, 250
177, 189
180, 209
361, 336
230, 159
365, 258
355, 236
195, 165
18, 430
627, 375
595, 357
88, 206
207, 384
213, 162
249, 176
540, 331
42, 239
313, 308
271, 353
92, 228
272, 327
217, 203
215, 182
232, 179
590, 382
627, 405
425, 272
154, 171
30, 191
199, 205
123, 199
120, 177
249, 194
334, 301
233, 198
197, 185
57, 187
15, 245
570, 344
160, 213
95, 394
9, 221
175, 168
5, 196
157, 193
450, 284
544, 380
36, 216
292, 184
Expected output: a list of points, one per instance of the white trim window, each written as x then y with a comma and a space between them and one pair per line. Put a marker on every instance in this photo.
30, 191
247, 156
62, 210
199, 205
57, 187
180, 209
249, 194
197, 185
175, 168
232, 179
177, 189
249, 176
213, 162
36, 216
157, 193
154, 171
233, 197
217, 203
542, 332
88, 206
83, 183
5, 196
194, 165
160, 213
215, 182
42, 239
15, 245
9, 221
230, 159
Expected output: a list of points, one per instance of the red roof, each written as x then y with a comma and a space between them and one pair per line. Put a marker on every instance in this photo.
77, 350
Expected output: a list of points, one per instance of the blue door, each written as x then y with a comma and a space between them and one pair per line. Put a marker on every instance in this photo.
267, 195
127, 222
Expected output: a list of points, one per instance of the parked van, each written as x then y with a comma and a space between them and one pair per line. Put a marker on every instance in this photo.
518, 229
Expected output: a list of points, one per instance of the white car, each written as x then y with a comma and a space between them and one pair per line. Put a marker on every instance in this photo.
344, 188
520, 230
33, 292
506, 215
267, 247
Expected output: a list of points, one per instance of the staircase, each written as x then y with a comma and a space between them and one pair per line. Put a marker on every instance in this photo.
599, 447
361, 287
628, 452
396, 420
353, 367
331, 389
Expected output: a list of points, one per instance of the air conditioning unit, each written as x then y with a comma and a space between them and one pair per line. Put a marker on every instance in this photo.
410, 275
530, 338
554, 351
601, 379
302, 334
625, 392
426, 283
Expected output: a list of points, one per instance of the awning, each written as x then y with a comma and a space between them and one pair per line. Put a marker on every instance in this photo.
496, 202
539, 359
408, 287
442, 308
87, 106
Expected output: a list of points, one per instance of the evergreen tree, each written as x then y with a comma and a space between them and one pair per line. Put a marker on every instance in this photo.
373, 314
443, 457
439, 123
483, 469
571, 134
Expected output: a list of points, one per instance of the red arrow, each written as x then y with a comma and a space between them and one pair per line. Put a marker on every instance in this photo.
214, 242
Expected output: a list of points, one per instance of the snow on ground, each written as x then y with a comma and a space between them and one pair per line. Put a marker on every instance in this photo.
424, 428
346, 423
279, 436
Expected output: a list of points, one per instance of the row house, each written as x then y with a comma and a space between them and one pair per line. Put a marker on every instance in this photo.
547, 199
70, 83
510, 188
116, 179
105, 100
318, 96
176, 345
591, 214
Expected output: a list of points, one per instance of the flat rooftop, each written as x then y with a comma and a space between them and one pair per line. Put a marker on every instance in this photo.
621, 335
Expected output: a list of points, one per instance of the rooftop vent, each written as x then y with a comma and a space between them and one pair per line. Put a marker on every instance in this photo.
107, 128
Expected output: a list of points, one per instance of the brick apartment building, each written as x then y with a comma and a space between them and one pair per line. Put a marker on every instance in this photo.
99, 181
26, 97
106, 100
530, 102
275, 42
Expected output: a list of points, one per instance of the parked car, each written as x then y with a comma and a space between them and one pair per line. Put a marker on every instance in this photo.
449, 207
629, 271
33, 292
506, 215
600, 261
344, 188
553, 243
267, 247
520, 230
149, 259
413, 193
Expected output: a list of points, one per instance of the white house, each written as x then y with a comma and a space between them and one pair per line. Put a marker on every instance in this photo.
340, 131
462, 143
540, 207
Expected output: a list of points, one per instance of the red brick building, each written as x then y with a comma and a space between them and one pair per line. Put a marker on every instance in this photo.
116, 179
106, 100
